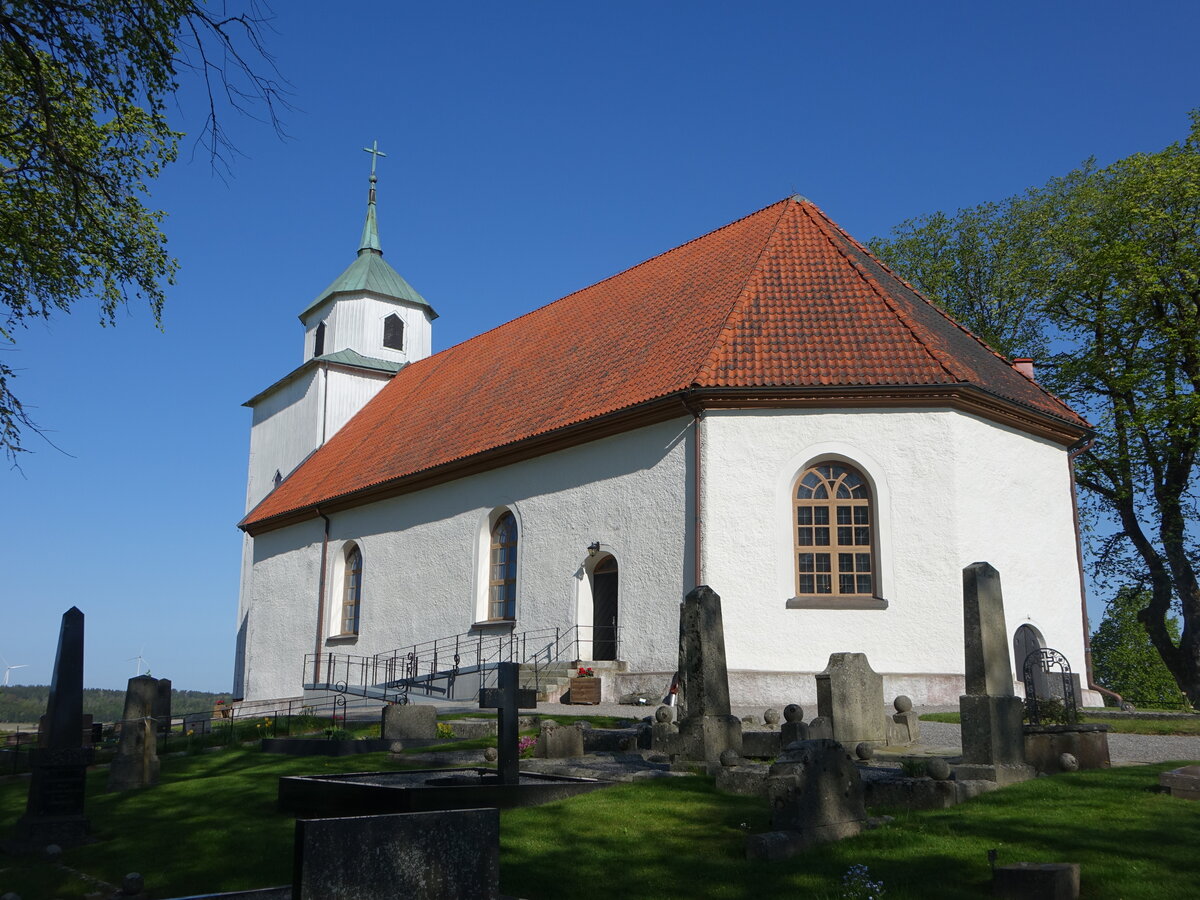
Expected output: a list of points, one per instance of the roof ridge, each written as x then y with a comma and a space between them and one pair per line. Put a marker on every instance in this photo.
738, 307
632, 268
951, 319
823, 222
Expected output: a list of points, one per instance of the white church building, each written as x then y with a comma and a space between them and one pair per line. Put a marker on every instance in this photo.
766, 409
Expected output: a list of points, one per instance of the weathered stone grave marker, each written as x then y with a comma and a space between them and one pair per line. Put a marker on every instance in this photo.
992, 735
705, 725
850, 695
136, 763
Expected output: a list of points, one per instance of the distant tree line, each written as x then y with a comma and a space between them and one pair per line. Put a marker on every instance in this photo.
27, 703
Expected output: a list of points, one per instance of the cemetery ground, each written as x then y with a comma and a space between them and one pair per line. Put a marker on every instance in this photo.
211, 824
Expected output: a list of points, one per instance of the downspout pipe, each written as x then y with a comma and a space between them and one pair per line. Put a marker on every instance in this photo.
321, 599
1073, 453
697, 413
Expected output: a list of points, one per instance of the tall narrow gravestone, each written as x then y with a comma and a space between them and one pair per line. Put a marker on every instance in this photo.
992, 734
706, 727
54, 812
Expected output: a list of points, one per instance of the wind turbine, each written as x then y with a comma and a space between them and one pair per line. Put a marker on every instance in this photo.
8, 669
141, 662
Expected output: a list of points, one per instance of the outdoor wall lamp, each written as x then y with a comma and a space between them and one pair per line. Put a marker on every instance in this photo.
593, 548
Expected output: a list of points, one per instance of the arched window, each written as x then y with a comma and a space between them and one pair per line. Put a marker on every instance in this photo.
834, 533
502, 569
352, 590
393, 332
319, 341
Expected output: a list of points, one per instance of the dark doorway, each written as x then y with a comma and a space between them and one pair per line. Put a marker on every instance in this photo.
604, 609
1025, 641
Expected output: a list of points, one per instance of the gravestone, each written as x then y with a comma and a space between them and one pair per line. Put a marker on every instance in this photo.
136, 763
816, 795
559, 741
850, 695
162, 704
992, 735
197, 723
507, 698
418, 856
54, 810
705, 724
408, 720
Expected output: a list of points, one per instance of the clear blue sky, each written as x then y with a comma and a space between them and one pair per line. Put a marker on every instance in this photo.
533, 148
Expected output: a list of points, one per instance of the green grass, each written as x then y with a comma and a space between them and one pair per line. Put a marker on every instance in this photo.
211, 825
1117, 725
678, 838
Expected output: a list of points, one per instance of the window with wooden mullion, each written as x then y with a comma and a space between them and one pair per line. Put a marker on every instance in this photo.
502, 575
834, 544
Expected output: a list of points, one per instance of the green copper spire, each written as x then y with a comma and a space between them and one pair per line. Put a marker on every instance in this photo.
370, 233
369, 273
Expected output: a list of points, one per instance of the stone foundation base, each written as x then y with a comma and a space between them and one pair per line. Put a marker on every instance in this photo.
775, 845
1000, 774
1045, 745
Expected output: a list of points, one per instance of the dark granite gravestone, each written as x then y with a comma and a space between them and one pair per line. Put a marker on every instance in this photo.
992, 737
506, 699
54, 811
450, 855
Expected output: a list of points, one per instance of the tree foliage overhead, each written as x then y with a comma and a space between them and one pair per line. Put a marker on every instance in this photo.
1108, 260
85, 87
1124, 659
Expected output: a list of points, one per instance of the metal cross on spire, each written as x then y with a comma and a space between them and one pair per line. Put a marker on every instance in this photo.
375, 154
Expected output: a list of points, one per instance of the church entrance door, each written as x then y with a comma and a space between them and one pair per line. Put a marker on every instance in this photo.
604, 609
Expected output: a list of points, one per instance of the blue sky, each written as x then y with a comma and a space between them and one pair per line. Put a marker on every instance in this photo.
533, 149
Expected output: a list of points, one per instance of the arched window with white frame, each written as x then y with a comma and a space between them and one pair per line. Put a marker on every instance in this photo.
834, 538
502, 569
352, 589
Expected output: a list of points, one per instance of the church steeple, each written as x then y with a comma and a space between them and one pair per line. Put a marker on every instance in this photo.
370, 235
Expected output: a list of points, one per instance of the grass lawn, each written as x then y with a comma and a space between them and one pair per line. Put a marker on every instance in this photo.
1117, 725
211, 825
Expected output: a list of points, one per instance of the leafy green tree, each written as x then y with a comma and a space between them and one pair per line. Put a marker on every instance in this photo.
85, 86
1109, 257
1124, 659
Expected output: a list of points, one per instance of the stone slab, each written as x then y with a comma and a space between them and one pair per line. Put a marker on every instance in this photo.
748, 781
444, 855
559, 741
1044, 748
850, 695
408, 720
703, 673
995, 773
1036, 881
761, 744
1183, 782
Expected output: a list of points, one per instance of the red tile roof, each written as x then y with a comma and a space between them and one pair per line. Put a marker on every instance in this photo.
780, 299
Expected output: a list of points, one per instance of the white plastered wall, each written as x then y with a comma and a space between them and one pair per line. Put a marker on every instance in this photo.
950, 489
423, 554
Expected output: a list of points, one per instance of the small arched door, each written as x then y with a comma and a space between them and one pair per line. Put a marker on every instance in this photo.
604, 609
1026, 640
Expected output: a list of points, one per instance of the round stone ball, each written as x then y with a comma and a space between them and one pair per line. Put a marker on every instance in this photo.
771, 716
903, 704
490, 754
937, 768
1068, 763
864, 751
52, 851
730, 758
793, 712
662, 714
133, 884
